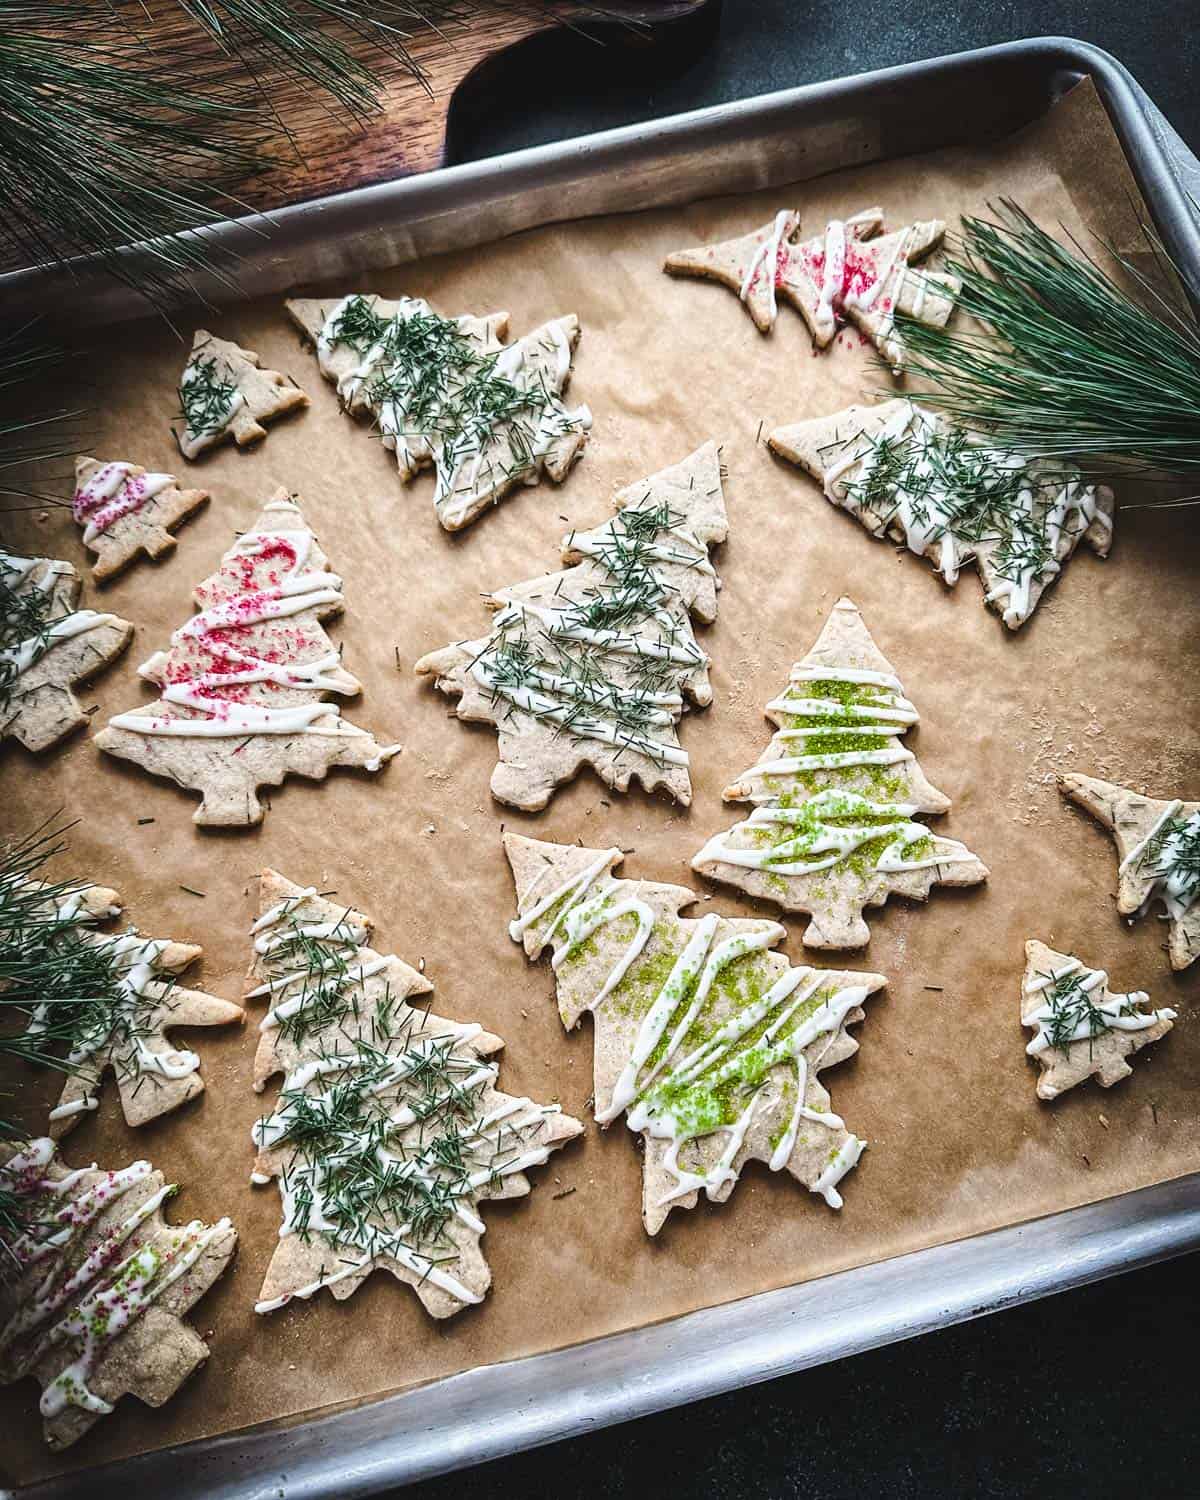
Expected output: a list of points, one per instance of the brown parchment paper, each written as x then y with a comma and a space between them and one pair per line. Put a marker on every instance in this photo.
1102, 680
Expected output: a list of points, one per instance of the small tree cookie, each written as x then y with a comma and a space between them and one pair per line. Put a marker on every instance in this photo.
1158, 846
851, 273
101, 1282
245, 682
47, 647
224, 393
113, 1002
124, 510
907, 475
448, 392
590, 666
389, 1129
835, 795
1082, 1027
706, 1041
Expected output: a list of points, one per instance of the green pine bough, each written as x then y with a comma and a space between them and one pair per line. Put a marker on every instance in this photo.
1064, 360
130, 123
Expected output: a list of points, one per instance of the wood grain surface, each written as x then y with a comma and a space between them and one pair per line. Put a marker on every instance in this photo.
409, 135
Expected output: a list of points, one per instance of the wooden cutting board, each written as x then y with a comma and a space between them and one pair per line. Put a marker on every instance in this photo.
464, 63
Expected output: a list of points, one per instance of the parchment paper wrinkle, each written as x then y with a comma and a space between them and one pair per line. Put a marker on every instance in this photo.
1103, 680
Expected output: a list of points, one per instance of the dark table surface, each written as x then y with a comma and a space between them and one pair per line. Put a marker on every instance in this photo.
1087, 1395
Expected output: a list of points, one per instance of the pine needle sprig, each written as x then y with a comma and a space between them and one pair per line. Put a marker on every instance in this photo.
106, 143
1067, 362
30, 435
62, 989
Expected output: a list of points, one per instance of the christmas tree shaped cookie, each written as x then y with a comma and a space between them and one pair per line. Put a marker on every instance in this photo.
389, 1128
113, 1001
1082, 1027
591, 665
1158, 846
96, 1286
835, 797
124, 510
47, 647
224, 393
707, 1042
245, 683
448, 392
909, 476
852, 273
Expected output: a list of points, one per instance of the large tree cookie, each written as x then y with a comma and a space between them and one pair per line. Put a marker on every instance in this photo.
1158, 846
245, 683
97, 1284
114, 1001
225, 393
389, 1129
448, 392
1082, 1027
47, 647
909, 476
591, 665
706, 1041
852, 273
835, 795
124, 510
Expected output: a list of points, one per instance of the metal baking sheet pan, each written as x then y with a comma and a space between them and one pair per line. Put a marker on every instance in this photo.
785, 137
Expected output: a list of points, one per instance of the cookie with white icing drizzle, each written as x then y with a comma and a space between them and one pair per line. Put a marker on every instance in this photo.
1082, 1029
450, 393
836, 794
93, 1302
47, 648
125, 1000
591, 665
246, 682
907, 475
124, 510
1158, 849
389, 1129
852, 273
225, 393
709, 1043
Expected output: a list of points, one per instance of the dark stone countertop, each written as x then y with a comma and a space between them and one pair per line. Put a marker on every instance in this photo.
1088, 1395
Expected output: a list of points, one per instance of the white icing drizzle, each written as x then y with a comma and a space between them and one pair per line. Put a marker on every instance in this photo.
137, 965
832, 272
818, 844
1111, 1013
1043, 510
844, 1158
222, 630
1169, 880
885, 716
112, 493
87, 1307
192, 441
766, 256
464, 470
665, 1098
526, 661
20, 572
364, 1070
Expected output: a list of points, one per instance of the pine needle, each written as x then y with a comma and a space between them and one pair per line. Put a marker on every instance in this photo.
29, 435
105, 143
1068, 362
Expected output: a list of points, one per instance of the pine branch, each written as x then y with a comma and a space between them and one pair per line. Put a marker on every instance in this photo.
35, 434
106, 142
1068, 362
